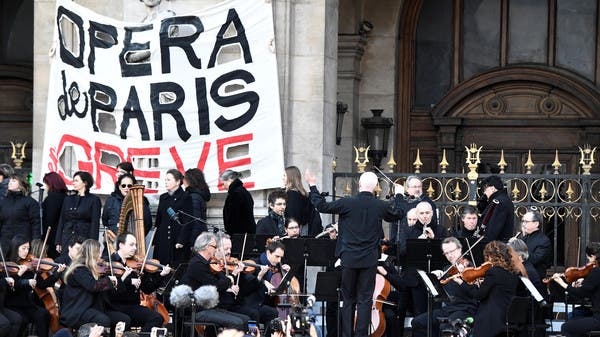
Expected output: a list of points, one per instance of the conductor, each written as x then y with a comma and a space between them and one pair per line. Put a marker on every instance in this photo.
359, 234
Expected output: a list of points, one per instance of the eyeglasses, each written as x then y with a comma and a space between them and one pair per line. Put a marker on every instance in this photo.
126, 185
527, 221
451, 251
214, 246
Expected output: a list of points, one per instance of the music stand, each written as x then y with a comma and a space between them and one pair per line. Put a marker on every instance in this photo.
327, 289
431, 293
255, 244
425, 254
321, 252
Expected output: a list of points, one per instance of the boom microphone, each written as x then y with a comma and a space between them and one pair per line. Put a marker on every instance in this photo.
173, 215
207, 297
38, 184
181, 296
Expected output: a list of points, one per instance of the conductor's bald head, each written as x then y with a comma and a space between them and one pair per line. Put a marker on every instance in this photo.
367, 182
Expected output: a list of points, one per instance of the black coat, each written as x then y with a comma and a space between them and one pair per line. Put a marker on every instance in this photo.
23, 295
80, 216
82, 292
112, 212
539, 248
52, 207
199, 274
298, 207
359, 225
238, 211
494, 295
199, 200
500, 224
590, 288
272, 224
126, 293
396, 228
169, 232
19, 214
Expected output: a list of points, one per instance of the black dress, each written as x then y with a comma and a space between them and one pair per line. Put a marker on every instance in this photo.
169, 232
80, 216
19, 214
238, 211
52, 207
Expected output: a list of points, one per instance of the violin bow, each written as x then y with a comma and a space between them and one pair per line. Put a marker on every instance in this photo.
109, 255
469, 250
148, 250
237, 281
37, 268
223, 255
5, 267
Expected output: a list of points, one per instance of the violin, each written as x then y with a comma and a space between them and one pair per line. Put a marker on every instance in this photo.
11, 268
454, 270
470, 274
572, 274
117, 268
217, 265
151, 265
32, 262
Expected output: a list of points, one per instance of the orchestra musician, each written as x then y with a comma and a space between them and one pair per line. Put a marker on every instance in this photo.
274, 223
10, 321
360, 230
200, 273
21, 299
497, 211
538, 244
414, 195
292, 228
588, 288
82, 300
460, 306
495, 291
80, 213
126, 297
469, 218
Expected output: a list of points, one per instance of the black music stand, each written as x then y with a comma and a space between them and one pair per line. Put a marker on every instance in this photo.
327, 289
255, 244
321, 252
425, 254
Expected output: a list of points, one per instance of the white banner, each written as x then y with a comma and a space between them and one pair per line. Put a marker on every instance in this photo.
186, 91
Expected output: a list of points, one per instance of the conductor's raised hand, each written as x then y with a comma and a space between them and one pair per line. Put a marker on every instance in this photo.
310, 177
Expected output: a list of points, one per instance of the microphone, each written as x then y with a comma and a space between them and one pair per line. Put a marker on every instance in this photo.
324, 194
181, 296
173, 215
310, 301
207, 297
38, 184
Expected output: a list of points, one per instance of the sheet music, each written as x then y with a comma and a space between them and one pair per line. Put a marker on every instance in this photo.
532, 289
428, 283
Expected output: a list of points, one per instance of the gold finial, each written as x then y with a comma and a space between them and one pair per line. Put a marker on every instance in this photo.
334, 164
361, 164
391, 163
570, 192
529, 164
457, 191
377, 189
556, 164
587, 158
430, 190
18, 158
515, 192
444, 162
347, 189
543, 191
418, 163
473, 159
502, 163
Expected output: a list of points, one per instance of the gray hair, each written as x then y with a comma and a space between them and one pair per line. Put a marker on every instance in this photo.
520, 248
452, 239
411, 178
6, 170
536, 216
229, 174
203, 240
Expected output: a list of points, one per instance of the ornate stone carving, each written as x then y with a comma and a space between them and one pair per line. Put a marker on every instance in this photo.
494, 105
550, 106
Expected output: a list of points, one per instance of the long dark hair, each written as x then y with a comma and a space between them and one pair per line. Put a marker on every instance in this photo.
13, 250
120, 179
195, 179
55, 182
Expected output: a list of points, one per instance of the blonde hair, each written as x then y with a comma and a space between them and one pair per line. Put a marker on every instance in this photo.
294, 180
87, 257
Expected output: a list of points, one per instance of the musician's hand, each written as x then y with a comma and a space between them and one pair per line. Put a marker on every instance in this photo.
126, 273
285, 267
178, 246
263, 271
234, 289
458, 280
96, 331
113, 279
269, 286
577, 283
429, 233
59, 248
32, 283
166, 271
437, 273
10, 281
276, 238
238, 269
381, 270
136, 282
311, 178
22, 270
398, 189
61, 268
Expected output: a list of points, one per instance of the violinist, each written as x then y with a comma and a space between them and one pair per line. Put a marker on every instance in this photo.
126, 297
495, 291
10, 321
200, 273
588, 288
460, 306
82, 300
538, 244
21, 299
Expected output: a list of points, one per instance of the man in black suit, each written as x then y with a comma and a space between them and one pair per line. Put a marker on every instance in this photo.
538, 244
497, 211
357, 246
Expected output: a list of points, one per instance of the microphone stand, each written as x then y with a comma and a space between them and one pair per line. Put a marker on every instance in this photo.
214, 227
40, 192
193, 327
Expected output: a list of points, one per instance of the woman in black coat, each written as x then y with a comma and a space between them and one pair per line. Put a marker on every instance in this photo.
495, 292
196, 187
298, 206
170, 238
52, 206
19, 213
238, 211
80, 213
